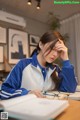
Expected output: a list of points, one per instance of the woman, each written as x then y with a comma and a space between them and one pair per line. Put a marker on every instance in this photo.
38, 73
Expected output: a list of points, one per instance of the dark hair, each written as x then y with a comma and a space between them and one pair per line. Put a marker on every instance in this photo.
48, 37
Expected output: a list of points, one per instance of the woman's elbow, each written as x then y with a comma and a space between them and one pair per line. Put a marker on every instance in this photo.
73, 89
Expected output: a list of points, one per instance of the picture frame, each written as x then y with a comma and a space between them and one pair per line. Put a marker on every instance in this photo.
3, 35
18, 45
34, 40
31, 49
1, 54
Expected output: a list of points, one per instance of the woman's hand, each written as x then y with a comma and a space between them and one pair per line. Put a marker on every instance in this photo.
37, 93
62, 49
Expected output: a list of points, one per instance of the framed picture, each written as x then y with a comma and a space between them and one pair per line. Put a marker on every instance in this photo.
34, 39
18, 45
31, 49
1, 54
2, 35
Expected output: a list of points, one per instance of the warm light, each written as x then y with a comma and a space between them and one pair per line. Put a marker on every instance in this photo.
38, 5
29, 2
38, 8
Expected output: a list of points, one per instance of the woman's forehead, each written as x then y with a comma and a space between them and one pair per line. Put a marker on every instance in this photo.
51, 45
54, 42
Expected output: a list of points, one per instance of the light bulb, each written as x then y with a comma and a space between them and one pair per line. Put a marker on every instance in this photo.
29, 2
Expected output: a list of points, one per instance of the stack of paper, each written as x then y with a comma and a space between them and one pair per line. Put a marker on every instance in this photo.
30, 107
75, 96
78, 88
63, 95
56, 95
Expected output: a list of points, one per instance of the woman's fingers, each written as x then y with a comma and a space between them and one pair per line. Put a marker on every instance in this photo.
61, 47
61, 41
37, 93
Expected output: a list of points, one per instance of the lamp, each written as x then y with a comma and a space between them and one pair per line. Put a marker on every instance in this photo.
38, 4
29, 2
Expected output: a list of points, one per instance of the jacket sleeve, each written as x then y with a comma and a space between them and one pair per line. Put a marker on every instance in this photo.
12, 85
68, 81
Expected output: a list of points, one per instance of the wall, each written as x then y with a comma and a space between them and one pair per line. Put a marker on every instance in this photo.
71, 26
35, 27
32, 27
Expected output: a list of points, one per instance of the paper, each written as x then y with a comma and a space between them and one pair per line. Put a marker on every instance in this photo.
56, 95
30, 107
17, 100
78, 88
63, 95
75, 96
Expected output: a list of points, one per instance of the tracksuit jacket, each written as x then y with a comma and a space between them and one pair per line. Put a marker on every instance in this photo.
28, 75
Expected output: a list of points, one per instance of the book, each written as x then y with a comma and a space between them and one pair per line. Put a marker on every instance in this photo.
56, 95
75, 96
63, 95
78, 88
30, 107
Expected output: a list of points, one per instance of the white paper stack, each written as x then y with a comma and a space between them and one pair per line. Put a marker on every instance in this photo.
30, 107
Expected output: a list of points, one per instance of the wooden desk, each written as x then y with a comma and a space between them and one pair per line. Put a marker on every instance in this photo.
72, 112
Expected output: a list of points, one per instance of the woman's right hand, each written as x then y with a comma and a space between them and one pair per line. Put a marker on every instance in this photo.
37, 93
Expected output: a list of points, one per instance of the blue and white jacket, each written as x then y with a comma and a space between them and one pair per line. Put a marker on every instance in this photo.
27, 75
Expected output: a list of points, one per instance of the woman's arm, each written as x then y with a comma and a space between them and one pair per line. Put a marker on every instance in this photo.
68, 81
11, 87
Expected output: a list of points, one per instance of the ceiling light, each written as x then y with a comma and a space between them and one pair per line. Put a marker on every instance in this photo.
29, 2
38, 5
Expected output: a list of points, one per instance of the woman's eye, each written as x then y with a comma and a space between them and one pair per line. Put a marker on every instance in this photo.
54, 49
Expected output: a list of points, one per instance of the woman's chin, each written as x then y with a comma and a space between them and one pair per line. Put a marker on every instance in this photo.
50, 61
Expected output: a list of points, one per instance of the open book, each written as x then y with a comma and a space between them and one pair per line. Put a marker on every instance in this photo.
29, 107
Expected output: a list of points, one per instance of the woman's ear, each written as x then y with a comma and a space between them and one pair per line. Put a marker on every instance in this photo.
40, 45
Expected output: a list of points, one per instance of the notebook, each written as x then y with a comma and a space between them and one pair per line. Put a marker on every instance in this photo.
56, 95
30, 107
78, 88
75, 96
63, 95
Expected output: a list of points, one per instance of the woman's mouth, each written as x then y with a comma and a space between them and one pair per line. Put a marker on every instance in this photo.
52, 58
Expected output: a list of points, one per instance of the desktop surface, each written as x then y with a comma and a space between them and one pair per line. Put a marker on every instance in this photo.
72, 112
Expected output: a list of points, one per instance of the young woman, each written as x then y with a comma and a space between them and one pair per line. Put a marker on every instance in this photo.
39, 73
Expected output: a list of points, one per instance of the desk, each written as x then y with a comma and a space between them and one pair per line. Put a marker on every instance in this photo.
72, 112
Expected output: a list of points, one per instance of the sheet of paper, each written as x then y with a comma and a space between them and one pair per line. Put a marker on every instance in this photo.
17, 100
40, 108
78, 88
75, 96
